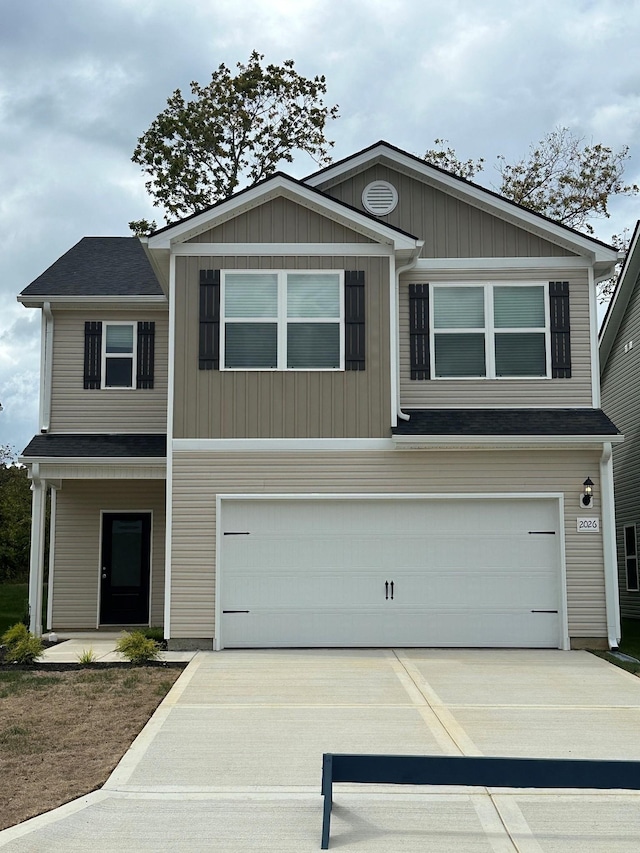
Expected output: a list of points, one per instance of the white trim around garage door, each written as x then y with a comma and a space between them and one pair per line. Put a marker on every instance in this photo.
564, 642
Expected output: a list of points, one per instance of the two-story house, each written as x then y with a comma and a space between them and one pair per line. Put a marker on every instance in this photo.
361, 409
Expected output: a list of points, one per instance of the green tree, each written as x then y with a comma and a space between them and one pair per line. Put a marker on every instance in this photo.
237, 128
15, 519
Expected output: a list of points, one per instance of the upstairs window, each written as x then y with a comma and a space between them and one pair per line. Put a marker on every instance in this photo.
490, 331
118, 356
282, 320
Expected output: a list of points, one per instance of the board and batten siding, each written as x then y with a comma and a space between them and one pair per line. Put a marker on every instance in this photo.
450, 228
75, 409
621, 402
467, 393
199, 476
76, 575
280, 220
280, 403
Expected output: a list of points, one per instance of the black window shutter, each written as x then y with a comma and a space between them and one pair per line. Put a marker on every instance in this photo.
92, 354
419, 331
560, 330
209, 352
354, 350
146, 354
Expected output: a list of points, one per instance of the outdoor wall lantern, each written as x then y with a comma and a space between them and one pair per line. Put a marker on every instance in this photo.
587, 495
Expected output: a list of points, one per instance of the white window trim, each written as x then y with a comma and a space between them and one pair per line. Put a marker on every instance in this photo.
627, 556
489, 330
283, 321
133, 355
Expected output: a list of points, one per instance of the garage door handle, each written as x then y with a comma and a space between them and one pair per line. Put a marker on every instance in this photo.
544, 611
391, 590
386, 590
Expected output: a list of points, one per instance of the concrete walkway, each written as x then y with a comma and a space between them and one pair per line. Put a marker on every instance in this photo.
103, 647
231, 760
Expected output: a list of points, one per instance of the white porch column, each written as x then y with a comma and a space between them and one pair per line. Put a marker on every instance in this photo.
52, 542
36, 558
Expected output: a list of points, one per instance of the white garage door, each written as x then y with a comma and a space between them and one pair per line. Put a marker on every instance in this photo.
403, 572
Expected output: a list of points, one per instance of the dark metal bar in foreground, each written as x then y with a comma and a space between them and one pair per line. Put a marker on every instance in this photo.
463, 770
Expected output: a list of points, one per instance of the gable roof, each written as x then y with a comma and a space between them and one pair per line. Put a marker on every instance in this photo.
97, 266
281, 184
469, 192
617, 307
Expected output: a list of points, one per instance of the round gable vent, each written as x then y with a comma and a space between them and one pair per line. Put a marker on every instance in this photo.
379, 198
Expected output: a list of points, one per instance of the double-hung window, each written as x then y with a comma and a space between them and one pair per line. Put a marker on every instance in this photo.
280, 320
119, 355
490, 331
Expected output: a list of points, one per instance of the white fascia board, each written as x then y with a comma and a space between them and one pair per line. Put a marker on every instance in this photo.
475, 195
275, 249
275, 445
93, 460
279, 186
419, 442
82, 301
501, 264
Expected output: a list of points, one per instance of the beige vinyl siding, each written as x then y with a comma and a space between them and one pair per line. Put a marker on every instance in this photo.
75, 409
621, 401
282, 404
280, 220
451, 228
77, 546
467, 393
198, 476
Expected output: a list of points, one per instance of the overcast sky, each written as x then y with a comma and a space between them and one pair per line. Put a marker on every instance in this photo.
81, 80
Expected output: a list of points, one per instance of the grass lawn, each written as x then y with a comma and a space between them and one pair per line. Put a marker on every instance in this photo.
630, 643
63, 732
14, 598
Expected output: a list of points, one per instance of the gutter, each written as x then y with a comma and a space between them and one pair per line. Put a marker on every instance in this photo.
411, 265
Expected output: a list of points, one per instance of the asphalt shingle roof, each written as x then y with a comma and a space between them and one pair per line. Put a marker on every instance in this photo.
506, 422
99, 266
89, 446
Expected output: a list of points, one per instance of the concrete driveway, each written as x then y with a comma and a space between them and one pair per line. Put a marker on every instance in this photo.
231, 760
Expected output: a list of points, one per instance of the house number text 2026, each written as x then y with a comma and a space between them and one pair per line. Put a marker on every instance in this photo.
588, 525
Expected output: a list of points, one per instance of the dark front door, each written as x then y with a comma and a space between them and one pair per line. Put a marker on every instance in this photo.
126, 548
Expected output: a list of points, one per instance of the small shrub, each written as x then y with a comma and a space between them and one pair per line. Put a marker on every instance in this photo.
86, 656
20, 645
154, 633
137, 648
15, 634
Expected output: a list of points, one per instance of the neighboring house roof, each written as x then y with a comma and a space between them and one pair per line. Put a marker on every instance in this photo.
629, 276
99, 266
504, 422
468, 190
91, 446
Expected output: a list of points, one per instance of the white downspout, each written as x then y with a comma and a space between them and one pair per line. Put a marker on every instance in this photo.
36, 555
609, 547
399, 270
46, 367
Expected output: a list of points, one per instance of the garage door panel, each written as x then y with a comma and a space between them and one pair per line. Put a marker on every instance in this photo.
406, 627
464, 572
